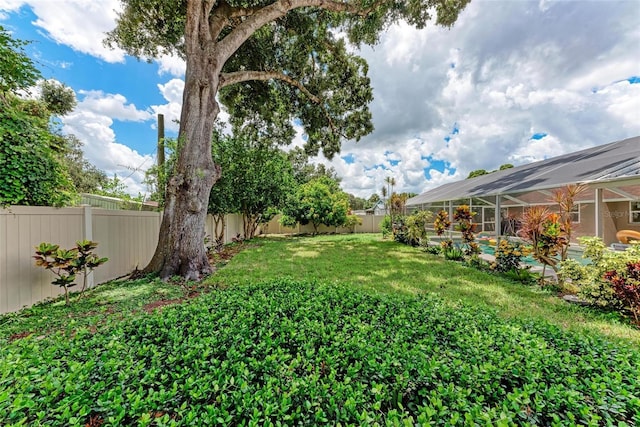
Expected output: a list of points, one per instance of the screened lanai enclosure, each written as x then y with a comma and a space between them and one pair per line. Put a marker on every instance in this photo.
609, 203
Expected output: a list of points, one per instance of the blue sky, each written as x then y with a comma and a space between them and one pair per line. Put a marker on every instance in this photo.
511, 82
136, 79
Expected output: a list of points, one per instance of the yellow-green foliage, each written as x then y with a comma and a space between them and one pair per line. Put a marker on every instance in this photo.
589, 278
509, 255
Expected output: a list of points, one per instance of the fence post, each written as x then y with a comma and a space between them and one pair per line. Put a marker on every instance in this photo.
88, 235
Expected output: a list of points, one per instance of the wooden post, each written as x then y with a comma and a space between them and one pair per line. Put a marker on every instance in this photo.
160, 141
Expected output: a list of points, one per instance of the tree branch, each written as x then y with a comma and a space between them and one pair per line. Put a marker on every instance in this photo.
223, 15
258, 18
227, 79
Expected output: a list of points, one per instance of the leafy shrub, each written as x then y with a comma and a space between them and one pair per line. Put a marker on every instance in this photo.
385, 226
522, 275
478, 263
399, 229
309, 354
626, 285
432, 249
417, 227
67, 263
441, 225
508, 255
453, 253
351, 222
589, 278
465, 225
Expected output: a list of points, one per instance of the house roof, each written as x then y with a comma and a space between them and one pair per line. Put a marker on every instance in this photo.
611, 162
378, 204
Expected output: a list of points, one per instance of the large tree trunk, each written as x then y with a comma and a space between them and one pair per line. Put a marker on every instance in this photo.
181, 250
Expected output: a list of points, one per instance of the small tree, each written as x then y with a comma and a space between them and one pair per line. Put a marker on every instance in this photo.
352, 221
398, 203
67, 263
549, 232
255, 180
465, 225
541, 228
441, 225
317, 202
566, 200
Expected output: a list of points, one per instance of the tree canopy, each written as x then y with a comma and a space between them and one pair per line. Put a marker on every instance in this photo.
272, 63
17, 71
281, 59
255, 180
317, 202
30, 153
59, 98
480, 172
304, 171
85, 177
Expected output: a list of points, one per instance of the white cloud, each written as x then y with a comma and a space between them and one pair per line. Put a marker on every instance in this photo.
172, 92
112, 105
505, 71
7, 6
91, 122
172, 65
80, 24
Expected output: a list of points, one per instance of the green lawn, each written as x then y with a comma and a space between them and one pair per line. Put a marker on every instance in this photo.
369, 262
330, 330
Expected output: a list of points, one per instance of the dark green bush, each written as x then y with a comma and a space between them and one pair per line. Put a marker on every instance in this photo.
309, 354
385, 226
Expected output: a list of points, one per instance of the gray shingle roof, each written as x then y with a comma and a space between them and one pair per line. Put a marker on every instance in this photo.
603, 163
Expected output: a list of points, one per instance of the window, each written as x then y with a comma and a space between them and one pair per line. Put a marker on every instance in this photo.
575, 213
488, 219
634, 212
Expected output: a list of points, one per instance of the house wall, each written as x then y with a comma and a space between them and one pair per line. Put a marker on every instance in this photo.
615, 218
619, 215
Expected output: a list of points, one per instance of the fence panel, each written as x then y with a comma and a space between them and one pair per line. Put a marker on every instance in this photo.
22, 228
127, 238
370, 224
232, 227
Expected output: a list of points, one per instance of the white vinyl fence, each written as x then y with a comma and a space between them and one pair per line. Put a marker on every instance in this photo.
127, 238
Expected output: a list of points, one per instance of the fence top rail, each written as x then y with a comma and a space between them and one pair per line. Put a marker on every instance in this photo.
112, 212
72, 210
40, 210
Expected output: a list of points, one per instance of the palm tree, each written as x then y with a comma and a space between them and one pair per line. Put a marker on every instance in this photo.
391, 181
384, 195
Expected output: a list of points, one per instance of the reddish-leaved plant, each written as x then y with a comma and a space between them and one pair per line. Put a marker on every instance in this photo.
626, 285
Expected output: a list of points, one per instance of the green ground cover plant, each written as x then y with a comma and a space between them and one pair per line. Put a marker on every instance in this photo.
346, 329
101, 305
285, 352
367, 261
